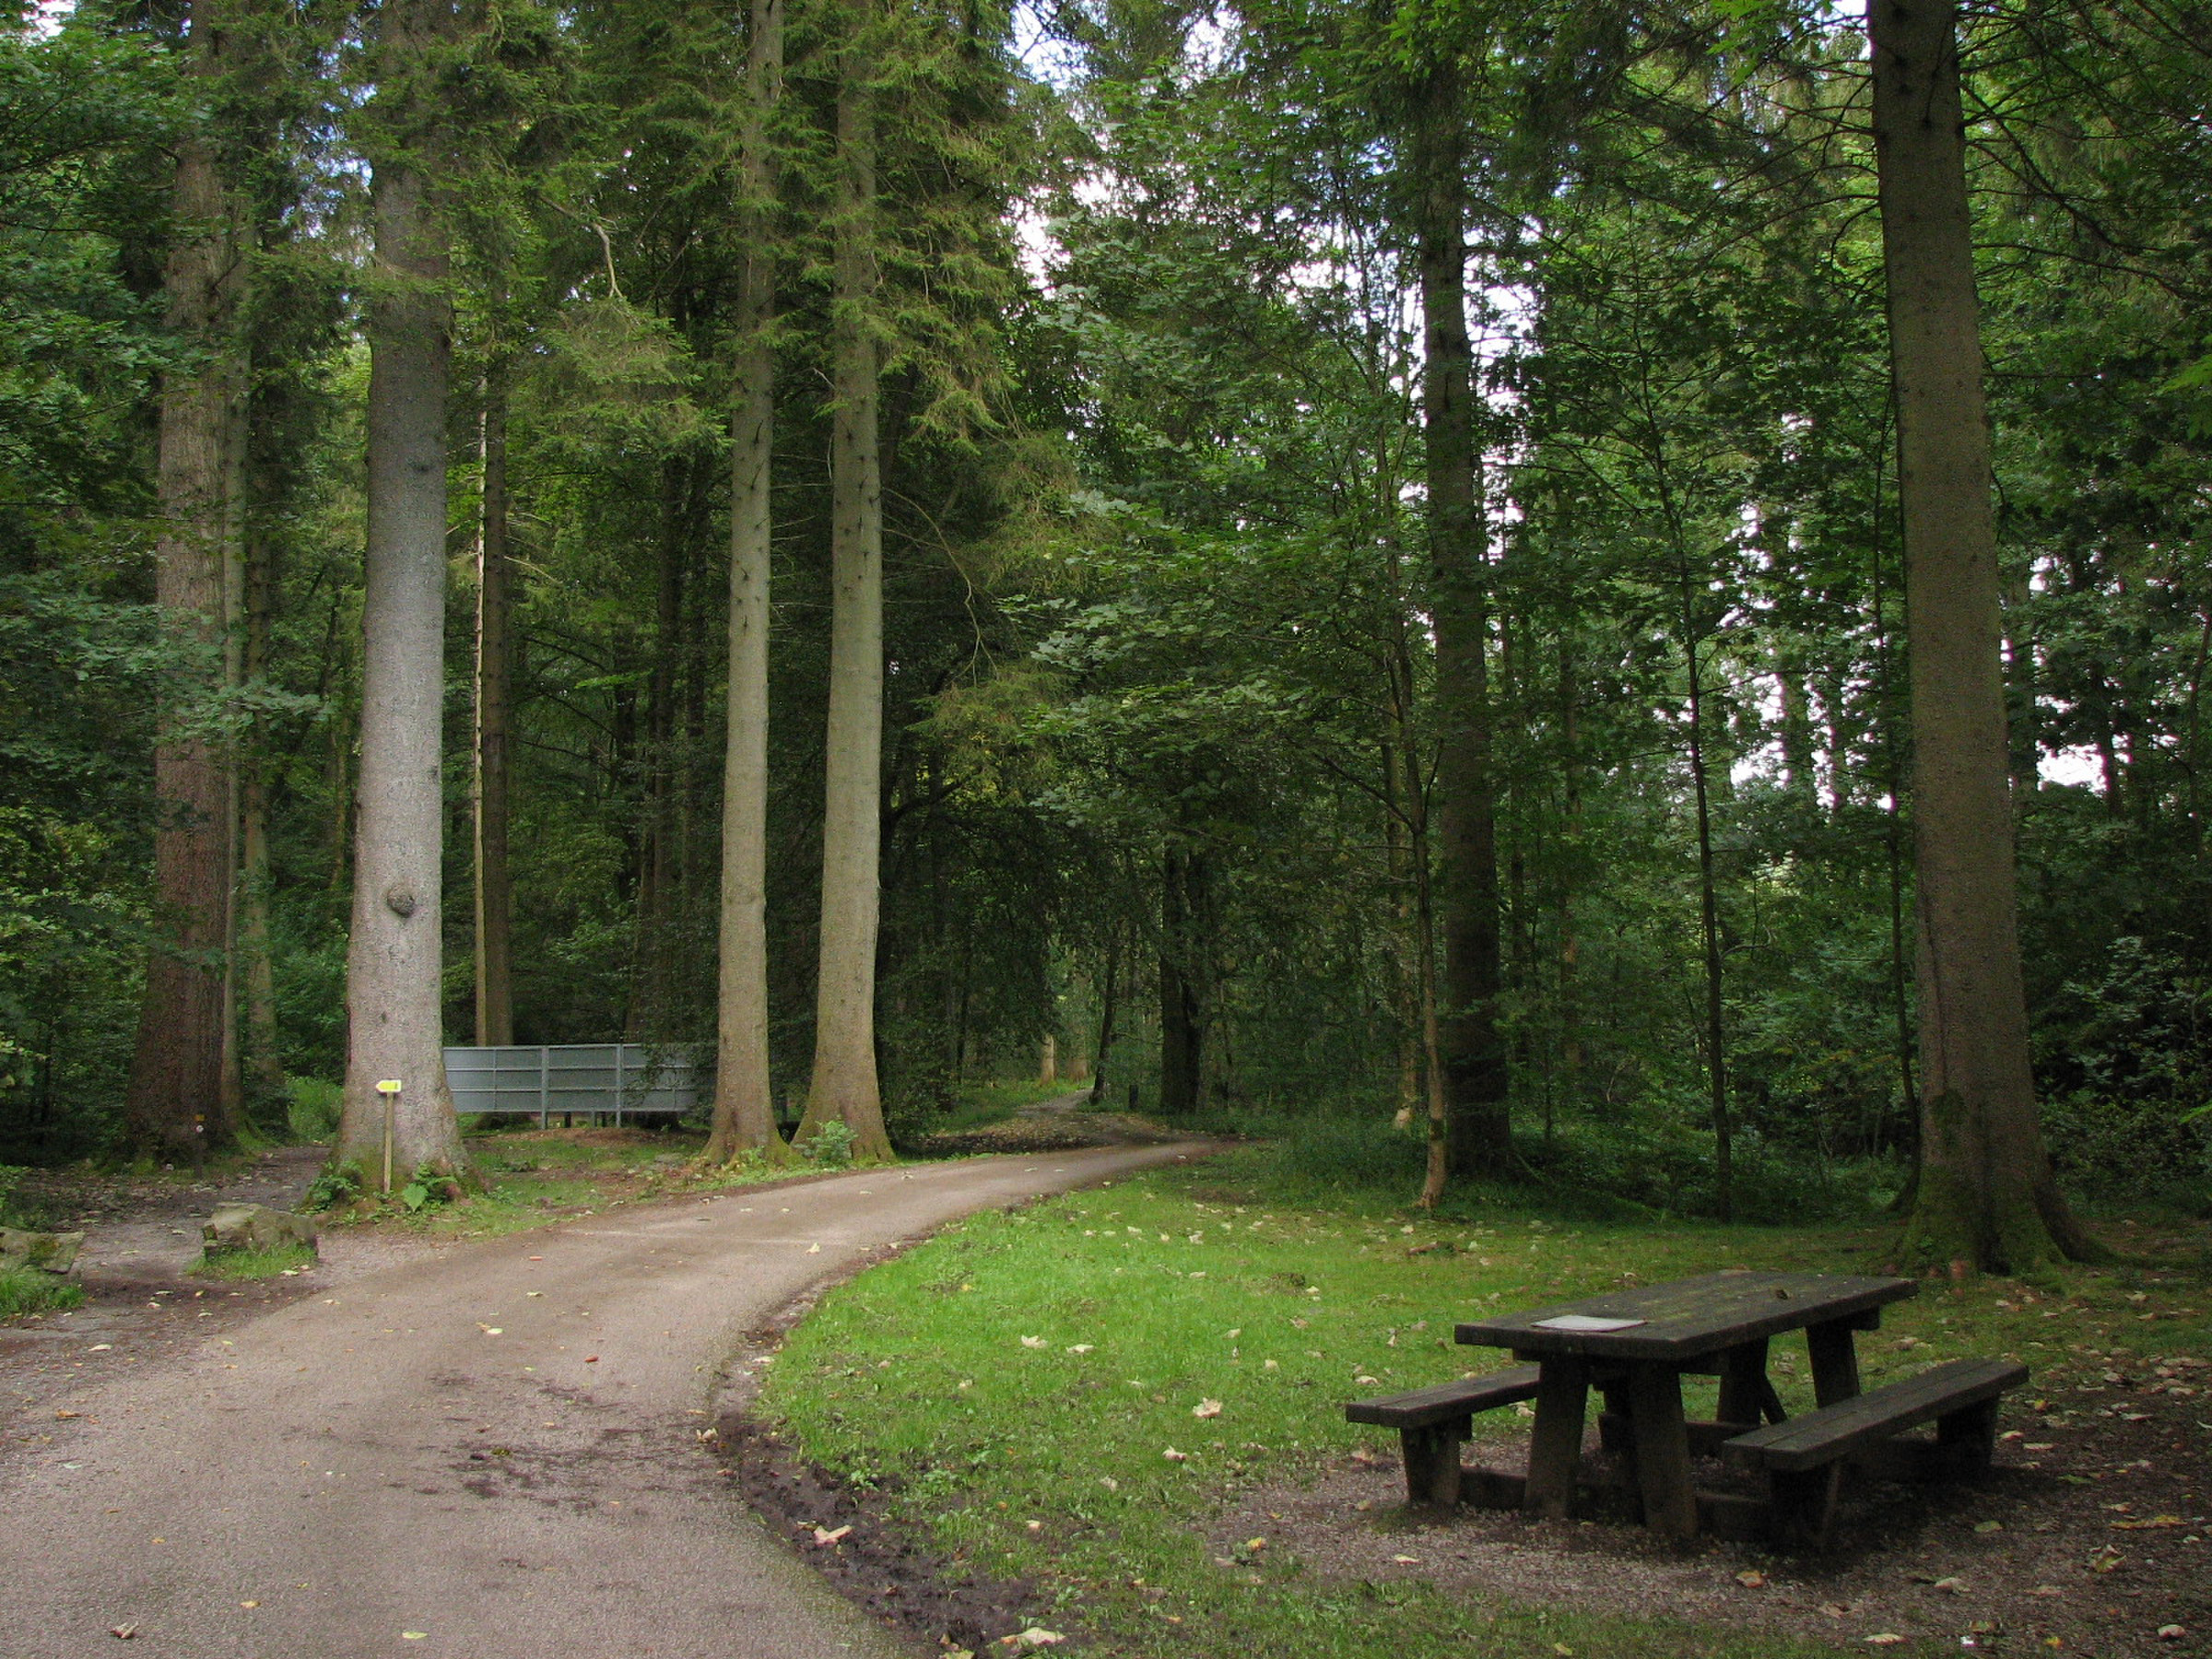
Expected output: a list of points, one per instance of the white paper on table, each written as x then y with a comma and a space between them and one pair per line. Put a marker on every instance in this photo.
1585, 1322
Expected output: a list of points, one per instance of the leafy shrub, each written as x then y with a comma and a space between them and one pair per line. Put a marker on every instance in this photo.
830, 1147
316, 1107
2108, 1148
335, 1184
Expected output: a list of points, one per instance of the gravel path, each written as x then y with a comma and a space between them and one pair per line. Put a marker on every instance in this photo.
492, 1452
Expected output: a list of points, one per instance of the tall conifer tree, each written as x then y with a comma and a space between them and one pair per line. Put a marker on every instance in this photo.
394, 960
846, 1086
179, 1098
744, 1118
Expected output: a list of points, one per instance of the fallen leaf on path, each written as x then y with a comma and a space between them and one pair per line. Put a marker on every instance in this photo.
1751, 1579
1989, 1527
591, 1358
65, 1415
414, 1635
122, 1632
1036, 1636
1885, 1639
814, 1249
1405, 1560
824, 1537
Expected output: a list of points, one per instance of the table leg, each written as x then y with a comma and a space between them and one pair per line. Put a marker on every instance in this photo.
1743, 1385
1670, 1503
1555, 1448
1835, 1363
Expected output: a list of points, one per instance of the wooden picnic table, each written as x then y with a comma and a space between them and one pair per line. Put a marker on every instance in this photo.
1718, 1324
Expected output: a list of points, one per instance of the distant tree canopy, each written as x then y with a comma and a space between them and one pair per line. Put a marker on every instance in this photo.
1221, 741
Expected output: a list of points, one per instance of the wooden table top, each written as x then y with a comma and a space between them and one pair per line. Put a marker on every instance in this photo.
1688, 1318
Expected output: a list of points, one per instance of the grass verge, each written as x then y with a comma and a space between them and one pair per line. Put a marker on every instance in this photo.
27, 1290
533, 1177
235, 1265
1071, 1395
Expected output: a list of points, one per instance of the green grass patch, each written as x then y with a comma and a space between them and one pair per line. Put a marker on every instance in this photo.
532, 1177
27, 1290
1037, 1367
254, 1263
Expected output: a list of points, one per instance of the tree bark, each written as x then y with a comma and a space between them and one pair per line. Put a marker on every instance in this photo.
1986, 1194
1181, 983
844, 1086
495, 683
394, 1026
175, 1104
267, 1099
1474, 1060
1708, 929
745, 1113
1109, 989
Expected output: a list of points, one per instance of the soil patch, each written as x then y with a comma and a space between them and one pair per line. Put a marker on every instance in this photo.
2091, 1535
1061, 1124
844, 1532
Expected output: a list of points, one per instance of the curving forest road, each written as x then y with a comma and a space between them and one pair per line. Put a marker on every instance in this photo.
491, 1454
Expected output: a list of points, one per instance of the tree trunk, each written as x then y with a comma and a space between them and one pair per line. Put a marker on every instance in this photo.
1986, 1193
267, 1099
174, 1104
744, 1111
495, 681
1474, 1060
394, 1029
1181, 985
1709, 929
1108, 987
844, 1084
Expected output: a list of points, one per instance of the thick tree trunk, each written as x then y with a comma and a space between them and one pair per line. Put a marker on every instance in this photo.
1474, 1059
394, 1029
745, 1113
175, 1103
1986, 1193
844, 1084
495, 684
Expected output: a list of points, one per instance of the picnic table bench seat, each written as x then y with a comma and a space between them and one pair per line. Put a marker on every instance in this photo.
1433, 1422
1803, 1458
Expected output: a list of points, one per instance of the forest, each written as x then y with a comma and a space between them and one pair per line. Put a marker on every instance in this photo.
1596, 595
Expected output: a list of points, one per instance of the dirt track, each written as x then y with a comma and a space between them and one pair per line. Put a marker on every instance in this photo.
489, 1455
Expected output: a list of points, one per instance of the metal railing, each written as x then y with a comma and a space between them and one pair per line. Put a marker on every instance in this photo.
599, 1079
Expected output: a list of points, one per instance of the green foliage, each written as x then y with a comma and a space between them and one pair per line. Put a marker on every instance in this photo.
831, 1145
335, 1184
316, 1107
